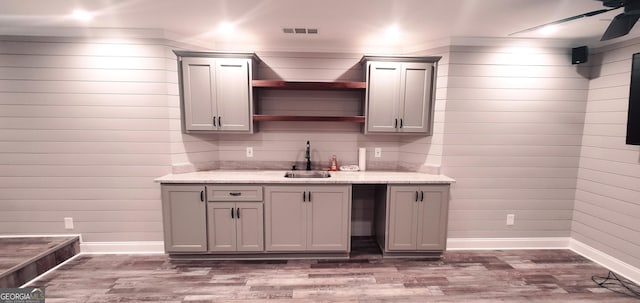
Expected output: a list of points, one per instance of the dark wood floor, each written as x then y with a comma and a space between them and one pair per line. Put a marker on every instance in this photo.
469, 276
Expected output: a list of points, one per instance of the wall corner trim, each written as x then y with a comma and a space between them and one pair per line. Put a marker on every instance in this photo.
132, 247
630, 272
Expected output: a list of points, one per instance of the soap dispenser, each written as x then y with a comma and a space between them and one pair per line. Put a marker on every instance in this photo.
334, 163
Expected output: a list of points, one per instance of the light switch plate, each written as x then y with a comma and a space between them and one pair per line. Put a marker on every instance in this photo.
377, 152
249, 152
68, 223
511, 219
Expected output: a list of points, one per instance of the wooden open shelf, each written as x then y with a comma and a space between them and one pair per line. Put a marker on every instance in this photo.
355, 119
309, 85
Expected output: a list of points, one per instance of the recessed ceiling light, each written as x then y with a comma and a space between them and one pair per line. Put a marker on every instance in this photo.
393, 31
82, 15
225, 27
549, 29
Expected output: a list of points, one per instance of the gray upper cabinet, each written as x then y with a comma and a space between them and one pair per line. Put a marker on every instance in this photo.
184, 217
216, 92
307, 218
417, 217
400, 94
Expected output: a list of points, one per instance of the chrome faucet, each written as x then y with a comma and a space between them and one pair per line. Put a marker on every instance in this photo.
307, 156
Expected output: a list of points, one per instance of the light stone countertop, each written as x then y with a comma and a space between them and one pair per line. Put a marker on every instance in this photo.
277, 177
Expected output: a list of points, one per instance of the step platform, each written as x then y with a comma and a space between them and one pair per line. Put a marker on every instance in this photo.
24, 258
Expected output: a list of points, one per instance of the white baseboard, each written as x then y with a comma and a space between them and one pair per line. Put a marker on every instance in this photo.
132, 247
615, 265
507, 243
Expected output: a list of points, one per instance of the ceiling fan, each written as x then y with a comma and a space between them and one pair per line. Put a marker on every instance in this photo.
619, 26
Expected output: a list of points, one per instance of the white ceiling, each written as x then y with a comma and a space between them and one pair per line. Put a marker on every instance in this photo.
342, 24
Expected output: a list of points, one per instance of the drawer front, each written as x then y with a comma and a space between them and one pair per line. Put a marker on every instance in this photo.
234, 193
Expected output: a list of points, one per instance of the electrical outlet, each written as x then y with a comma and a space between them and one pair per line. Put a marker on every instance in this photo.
511, 218
377, 152
249, 152
68, 223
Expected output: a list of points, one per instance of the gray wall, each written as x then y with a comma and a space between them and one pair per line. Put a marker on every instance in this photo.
84, 130
512, 136
607, 205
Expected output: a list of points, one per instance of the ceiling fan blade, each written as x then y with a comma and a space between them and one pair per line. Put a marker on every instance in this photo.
589, 14
620, 26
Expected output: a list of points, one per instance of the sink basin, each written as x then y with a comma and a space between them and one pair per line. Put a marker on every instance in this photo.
307, 174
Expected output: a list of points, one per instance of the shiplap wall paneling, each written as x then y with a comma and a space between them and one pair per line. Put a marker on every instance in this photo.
512, 136
607, 203
83, 133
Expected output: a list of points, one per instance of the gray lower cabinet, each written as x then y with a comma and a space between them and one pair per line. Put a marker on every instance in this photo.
298, 218
307, 218
235, 218
235, 226
184, 217
417, 217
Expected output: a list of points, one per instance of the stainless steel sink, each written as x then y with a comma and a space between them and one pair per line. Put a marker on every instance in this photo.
307, 174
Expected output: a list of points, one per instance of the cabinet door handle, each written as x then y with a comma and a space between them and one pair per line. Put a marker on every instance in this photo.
304, 196
214, 121
309, 193
421, 196
395, 124
219, 121
235, 194
238, 212
401, 122
416, 196
232, 213
202, 196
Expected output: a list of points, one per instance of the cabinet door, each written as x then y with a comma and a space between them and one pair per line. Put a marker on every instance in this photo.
383, 84
433, 212
233, 93
222, 226
285, 218
415, 97
328, 216
184, 217
249, 226
402, 218
198, 78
